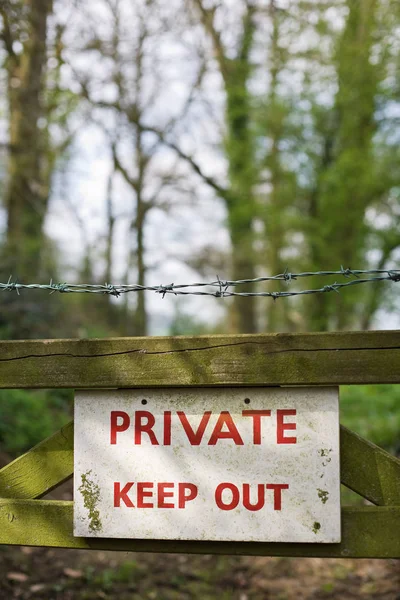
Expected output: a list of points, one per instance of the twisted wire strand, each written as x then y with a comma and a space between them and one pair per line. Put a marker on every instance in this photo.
219, 288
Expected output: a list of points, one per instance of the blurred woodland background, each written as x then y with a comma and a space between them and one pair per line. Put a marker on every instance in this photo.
150, 141
145, 141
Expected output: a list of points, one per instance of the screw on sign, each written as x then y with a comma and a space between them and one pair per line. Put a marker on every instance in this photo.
211, 464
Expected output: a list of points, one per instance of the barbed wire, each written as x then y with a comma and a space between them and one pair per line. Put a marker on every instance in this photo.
218, 288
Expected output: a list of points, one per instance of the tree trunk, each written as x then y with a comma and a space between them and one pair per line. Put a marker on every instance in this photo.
140, 313
28, 178
277, 311
344, 190
243, 315
240, 150
242, 177
108, 275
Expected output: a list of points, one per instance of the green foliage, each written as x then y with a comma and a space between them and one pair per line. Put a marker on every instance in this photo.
372, 411
185, 324
28, 417
327, 149
127, 573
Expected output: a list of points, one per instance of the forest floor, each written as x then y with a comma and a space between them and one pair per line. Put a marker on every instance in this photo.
53, 574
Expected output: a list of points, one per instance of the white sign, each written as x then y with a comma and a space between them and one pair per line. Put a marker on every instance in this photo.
243, 464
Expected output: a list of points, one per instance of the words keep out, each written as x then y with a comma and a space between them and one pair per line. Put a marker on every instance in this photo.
142, 423
227, 496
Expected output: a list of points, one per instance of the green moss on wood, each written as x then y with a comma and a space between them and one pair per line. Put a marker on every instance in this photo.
271, 359
41, 469
367, 532
369, 470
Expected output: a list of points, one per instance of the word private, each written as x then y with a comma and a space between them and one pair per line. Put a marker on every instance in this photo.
225, 428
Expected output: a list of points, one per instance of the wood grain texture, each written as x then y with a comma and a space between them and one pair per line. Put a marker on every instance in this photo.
369, 470
273, 359
367, 532
41, 469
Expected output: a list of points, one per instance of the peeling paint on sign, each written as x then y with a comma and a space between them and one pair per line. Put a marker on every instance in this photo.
239, 464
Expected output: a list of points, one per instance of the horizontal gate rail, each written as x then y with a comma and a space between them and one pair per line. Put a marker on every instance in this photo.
218, 360
367, 531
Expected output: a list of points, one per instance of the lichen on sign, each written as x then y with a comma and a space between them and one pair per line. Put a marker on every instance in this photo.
91, 496
323, 495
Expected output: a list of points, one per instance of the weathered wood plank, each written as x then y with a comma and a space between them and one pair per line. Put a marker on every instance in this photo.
367, 532
41, 469
274, 359
369, 470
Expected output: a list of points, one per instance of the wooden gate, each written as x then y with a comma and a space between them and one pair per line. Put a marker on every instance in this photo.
205, 361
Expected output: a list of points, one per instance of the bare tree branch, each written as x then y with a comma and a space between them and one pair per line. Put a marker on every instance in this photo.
133, 182
207, 17
221, 191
